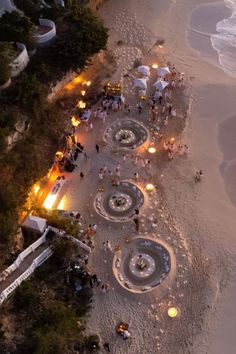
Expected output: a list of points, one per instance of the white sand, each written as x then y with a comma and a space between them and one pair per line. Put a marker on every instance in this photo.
198, 220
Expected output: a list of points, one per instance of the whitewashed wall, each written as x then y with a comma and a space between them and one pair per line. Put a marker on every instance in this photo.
18, 64
46, 38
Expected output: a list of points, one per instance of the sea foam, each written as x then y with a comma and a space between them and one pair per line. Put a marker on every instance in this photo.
224, 42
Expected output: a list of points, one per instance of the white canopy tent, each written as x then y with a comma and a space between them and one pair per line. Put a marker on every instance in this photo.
140, 83
160, 85
163, 71
145, 70
35, 224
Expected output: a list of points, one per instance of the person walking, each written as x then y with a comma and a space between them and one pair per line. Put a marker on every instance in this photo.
124, 158
81, 175
97, 148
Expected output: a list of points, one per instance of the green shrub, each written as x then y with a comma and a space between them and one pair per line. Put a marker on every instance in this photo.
26, 296
5, 71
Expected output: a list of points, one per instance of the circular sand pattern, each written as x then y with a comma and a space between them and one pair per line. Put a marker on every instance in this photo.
119, 203
142, 266
126, 134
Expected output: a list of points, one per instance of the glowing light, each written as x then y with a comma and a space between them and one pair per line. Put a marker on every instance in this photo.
36, 189
81, 104
49, 201
74, 121
154, 66
62, 204
172, 312
77, 80
59, 155
88, 83
172, 140
152, 150
83, 93
72, 85
149, 187
160, 46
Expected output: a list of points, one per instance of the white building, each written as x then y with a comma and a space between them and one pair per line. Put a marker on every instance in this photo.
6, 5
20, 62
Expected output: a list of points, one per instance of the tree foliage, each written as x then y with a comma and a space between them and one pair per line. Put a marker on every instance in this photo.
31, 8
80, 34
5, 71
83, 35
15, 27
26, 296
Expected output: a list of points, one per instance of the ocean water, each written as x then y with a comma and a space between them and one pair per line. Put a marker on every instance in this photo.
212, 32
224, 42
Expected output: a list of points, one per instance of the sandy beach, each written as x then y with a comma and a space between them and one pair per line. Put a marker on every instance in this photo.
207, 215
197, 220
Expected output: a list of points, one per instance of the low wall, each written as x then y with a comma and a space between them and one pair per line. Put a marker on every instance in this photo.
18, 64
46, 38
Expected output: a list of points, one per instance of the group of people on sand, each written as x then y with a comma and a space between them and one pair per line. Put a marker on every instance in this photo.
112, 175
170, 147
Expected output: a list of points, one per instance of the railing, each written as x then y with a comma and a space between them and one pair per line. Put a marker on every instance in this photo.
35, 263
24, 254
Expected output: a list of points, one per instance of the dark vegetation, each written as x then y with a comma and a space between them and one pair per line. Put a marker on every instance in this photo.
51, 310
80, 34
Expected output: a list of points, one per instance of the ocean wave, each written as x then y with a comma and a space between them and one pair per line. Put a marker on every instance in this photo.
224, 42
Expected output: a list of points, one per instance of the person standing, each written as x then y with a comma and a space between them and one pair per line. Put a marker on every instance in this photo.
136, 211
136, 176
106, 346
97, 148
136, 221
118, 170
81, 175
94, 227
108, 244
104, 245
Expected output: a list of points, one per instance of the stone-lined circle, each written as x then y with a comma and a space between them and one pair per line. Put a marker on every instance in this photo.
142, 266
119, 203
126, 134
